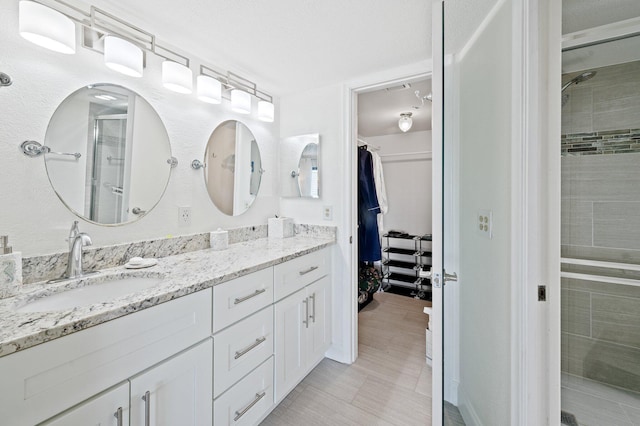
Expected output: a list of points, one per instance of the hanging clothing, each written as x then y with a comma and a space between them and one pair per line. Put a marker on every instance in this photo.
381, 191
369, 249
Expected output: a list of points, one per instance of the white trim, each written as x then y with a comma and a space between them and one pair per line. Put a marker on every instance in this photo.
600, 264
595, 35
412, 72
435, 322
600, 278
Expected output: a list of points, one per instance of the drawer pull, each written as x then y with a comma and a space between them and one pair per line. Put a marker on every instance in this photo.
147, 408
118, 416
245, 298
305, 272
251, 346
241, 413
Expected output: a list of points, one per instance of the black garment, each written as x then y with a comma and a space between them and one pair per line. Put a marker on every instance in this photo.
368, 208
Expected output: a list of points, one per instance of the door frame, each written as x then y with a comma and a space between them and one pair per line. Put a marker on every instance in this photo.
350, 91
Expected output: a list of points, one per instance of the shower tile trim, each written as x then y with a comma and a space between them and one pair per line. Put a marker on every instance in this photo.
596, 143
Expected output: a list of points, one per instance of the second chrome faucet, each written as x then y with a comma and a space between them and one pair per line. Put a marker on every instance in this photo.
77, 241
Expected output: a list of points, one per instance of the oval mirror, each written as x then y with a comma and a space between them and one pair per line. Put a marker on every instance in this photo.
109, 157
299, 166
233, 168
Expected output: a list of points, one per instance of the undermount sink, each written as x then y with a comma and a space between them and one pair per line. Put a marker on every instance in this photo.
88, 292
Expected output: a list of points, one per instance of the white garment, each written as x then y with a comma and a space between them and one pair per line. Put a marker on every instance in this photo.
381, 191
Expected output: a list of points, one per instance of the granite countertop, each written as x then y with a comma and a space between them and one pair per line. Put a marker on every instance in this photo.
182, 274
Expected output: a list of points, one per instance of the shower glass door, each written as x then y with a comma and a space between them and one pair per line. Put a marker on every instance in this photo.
600, 241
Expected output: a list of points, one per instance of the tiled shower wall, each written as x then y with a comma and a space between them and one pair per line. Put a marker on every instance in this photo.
601, 221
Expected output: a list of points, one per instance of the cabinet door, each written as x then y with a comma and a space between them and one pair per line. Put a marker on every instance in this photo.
110, 408
177, 391
291, 327
319, 332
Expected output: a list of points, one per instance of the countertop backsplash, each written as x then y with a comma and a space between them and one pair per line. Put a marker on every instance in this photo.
52, 266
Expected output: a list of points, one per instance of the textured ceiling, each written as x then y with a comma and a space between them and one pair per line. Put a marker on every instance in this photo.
290, 45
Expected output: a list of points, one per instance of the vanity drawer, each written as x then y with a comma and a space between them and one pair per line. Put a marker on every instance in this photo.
247, 402
241, 297
295, 274
241, 348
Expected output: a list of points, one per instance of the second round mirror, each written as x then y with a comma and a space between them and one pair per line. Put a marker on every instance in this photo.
233, 168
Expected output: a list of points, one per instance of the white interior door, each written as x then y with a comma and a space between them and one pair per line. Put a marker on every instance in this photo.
487, 227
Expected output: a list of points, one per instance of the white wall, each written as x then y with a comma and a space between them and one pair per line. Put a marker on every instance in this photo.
36, 221
407, 181
322, 111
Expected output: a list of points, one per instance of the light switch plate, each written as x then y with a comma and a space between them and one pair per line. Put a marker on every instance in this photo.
484, 223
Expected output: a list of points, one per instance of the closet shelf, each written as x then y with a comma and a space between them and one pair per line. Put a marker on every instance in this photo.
408, 252
403, 264
405, 273
405, 236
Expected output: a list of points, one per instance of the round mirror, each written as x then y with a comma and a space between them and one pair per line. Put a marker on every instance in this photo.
108, 154
233, 168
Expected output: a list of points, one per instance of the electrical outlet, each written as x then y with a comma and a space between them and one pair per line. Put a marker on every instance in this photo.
327, 212
484, 223
184, 216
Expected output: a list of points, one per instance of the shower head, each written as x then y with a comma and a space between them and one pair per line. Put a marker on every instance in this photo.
579, 79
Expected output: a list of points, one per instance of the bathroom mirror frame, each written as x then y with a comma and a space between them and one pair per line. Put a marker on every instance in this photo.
138, 188
230, 188
297, 178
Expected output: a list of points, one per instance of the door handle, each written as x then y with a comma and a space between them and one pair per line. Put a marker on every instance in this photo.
313, 317
118, 416
305, 272
250, 347
242, 412
306, 310
147, 408
245, 298
450, 277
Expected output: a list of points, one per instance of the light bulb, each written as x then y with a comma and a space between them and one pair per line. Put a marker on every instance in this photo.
123, 56
240, 101
265, 111
209, 89
177, 77
405, 121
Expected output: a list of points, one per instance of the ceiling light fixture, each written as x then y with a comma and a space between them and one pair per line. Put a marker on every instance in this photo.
123, 56
47, 27
125, 46
405, 121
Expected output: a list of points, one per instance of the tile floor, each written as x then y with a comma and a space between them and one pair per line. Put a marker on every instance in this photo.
389, 384
596, 404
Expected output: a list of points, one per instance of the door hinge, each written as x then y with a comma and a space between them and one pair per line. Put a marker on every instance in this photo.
542, 293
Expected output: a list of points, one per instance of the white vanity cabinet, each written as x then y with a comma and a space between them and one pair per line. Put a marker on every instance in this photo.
40, 382
302, 319
109, 408
175, 392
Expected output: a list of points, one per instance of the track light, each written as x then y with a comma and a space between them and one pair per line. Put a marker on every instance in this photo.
47, 27
405, 121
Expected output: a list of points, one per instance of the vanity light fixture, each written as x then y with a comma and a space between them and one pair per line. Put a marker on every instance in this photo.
47, 27
123, 56
265, 111
52, 23
177, 77
405, 121
240, 101
209, 88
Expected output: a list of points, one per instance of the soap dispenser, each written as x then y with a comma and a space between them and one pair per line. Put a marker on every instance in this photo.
10, 268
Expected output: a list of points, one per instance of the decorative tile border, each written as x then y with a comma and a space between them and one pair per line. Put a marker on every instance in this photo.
607, 142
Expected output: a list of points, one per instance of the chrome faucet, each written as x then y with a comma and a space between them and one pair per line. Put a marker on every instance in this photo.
74, 263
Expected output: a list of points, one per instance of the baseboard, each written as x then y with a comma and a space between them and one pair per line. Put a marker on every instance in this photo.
467, 410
